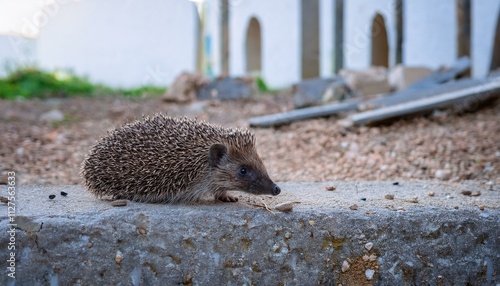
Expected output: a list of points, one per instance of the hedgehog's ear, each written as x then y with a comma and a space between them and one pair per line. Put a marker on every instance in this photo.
216, 153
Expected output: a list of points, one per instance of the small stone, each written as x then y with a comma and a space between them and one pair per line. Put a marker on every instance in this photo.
64, 194
119, 203
369, 274
369, 246
413, 200
312, 223
443, 175
373, 257
331, 188
118, 257
401, 209
142, 231
366, 258
284, 207
52, 197
89, 245
431, 194
481, 207
363, 199
51, 116
354, 207
455, 207
475, 194
345, 266
4, 200
395, 183
389, 197
466, 193
288, 235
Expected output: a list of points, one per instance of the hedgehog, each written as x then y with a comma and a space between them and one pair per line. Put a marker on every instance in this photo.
163, 159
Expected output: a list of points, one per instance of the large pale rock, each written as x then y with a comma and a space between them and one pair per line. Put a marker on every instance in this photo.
369, 81
185, 87
401, 77
228, 88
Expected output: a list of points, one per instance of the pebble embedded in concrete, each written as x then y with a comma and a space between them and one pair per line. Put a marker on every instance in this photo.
369, 246
345, 266
369, 274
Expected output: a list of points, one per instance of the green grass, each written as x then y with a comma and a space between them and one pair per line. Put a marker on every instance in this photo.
262, 86
32, 82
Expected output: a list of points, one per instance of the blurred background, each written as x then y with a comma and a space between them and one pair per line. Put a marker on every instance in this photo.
72, 69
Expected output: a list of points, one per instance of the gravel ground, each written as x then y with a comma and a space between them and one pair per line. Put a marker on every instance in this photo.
446, 146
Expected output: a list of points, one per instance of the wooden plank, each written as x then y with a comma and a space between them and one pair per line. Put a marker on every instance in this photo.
301, 114
491, 88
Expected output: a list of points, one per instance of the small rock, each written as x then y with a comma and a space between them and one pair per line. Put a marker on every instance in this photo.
312, 223
345, 266
363, 199
331, 188
366, 258
4, 200
372, 257
89, 245
284, 207
413, 200
431, 194
51, 116
369, 274
475, 194
455, 207
443, 175
369, 246
354, 207
466, 193
389, 197
64, 194
119, 203
481, 207
52, 197
118, 257
142, 231
395, 183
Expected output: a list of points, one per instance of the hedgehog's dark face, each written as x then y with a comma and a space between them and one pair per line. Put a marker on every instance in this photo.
240, 170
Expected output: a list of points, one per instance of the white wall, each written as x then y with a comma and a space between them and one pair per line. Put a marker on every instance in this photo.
15, 51
358, 18
326, 32
430, 33
121, 43
485, 14
280, 27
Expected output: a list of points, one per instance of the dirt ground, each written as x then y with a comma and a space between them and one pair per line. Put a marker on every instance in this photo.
445, 145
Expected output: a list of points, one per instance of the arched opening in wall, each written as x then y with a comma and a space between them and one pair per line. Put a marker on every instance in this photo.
310, 38
495, 59
380, 44
253, 47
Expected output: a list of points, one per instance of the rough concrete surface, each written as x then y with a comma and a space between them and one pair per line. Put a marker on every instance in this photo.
450, 238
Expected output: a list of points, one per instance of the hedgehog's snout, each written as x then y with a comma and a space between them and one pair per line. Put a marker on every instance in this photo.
276, 190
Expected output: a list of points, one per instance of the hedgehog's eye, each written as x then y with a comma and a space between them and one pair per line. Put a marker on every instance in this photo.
243, 171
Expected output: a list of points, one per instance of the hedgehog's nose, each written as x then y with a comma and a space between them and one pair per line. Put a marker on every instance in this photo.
276, 190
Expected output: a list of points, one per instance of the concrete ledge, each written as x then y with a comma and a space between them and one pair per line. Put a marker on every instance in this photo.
79, 240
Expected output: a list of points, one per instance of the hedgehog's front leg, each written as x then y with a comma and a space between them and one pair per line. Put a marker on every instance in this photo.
225, 197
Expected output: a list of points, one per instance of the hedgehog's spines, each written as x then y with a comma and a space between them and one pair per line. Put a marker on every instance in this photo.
159, 159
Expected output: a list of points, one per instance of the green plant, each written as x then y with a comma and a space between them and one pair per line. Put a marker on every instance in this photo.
32, 82
262, 85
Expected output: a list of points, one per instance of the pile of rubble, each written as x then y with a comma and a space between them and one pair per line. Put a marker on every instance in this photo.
376, 95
